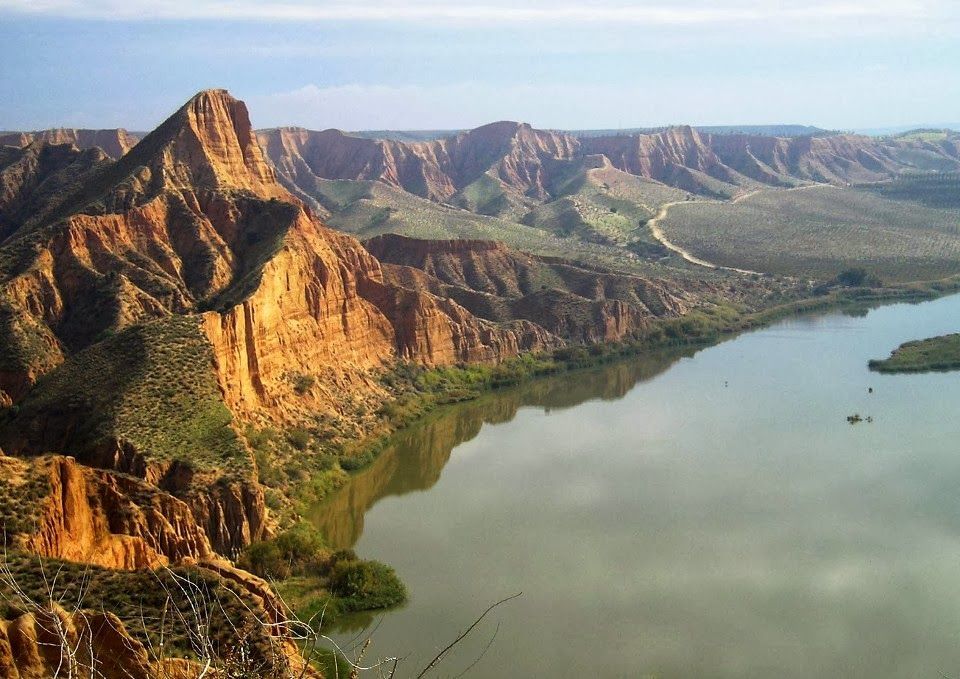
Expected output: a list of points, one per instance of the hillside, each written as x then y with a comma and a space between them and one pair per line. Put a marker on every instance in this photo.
202, 345
819, 231
570, 300
502, 167
114, 143
593, 197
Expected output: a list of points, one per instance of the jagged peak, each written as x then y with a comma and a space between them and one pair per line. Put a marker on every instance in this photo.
208, 143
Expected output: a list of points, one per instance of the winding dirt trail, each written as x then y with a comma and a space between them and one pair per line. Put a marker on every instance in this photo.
661, 237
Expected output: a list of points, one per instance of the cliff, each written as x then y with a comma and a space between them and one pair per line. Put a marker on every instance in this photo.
99, 517
508, 167
104, 623
513, 156
562, 298
30, 646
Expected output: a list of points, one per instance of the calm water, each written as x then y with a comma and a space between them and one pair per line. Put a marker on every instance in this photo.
712, 515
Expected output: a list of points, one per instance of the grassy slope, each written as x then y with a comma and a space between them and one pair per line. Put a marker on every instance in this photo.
938, 190
151, 385
605, 205
935, 353
368, 209
819, 231
487, 196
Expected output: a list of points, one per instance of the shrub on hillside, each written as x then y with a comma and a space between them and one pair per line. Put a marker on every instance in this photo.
297, 551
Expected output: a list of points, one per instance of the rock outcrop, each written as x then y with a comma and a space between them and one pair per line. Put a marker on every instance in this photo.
98, 517
84, 644
561, 298
512, 153
527, 166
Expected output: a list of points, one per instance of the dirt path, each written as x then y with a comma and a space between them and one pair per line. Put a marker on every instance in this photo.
661, 237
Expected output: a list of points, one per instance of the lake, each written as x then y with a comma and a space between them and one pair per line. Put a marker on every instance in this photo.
686, 514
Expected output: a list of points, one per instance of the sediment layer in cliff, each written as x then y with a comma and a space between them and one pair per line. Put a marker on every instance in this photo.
503, 167
55, 507
565, 299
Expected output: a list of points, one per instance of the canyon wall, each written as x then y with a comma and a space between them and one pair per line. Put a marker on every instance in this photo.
531, 165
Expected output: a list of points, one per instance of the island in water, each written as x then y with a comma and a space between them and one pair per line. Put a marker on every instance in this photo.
933, 353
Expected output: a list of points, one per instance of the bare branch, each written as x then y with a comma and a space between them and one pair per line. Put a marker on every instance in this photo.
439, 657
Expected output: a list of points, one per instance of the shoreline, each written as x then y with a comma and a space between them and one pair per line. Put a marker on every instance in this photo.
581, 357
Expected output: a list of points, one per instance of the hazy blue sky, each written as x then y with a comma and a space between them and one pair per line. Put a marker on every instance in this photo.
459, 63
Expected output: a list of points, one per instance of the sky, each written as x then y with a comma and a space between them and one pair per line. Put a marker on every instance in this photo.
454, 64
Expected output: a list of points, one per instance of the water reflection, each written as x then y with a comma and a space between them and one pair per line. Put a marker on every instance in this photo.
416, 457
720, 519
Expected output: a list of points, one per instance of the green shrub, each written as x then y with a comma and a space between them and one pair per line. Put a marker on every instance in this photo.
857, 277
365, 585
299, 438
303, 383
297, 551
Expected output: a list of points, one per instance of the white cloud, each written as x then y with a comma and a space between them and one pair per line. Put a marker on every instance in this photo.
854, 100
493, 11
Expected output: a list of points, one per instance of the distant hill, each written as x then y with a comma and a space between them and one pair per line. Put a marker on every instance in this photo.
507, 169
765, 130
901, 129
114, 143
405, 135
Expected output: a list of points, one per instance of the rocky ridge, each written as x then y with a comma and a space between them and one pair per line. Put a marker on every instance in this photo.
113, 143
572, 301
513, 167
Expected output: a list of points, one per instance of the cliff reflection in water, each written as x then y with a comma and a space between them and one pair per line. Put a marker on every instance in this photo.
416, 457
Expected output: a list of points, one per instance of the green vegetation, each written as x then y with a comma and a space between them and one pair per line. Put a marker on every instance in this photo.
932, 354
817, 232
139, 599
485, 196
312, 579
926, 135
857, 277
23, 487
302, 383
296, 551
364, 585
25, 342
933, 189
598, 238
151, 387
